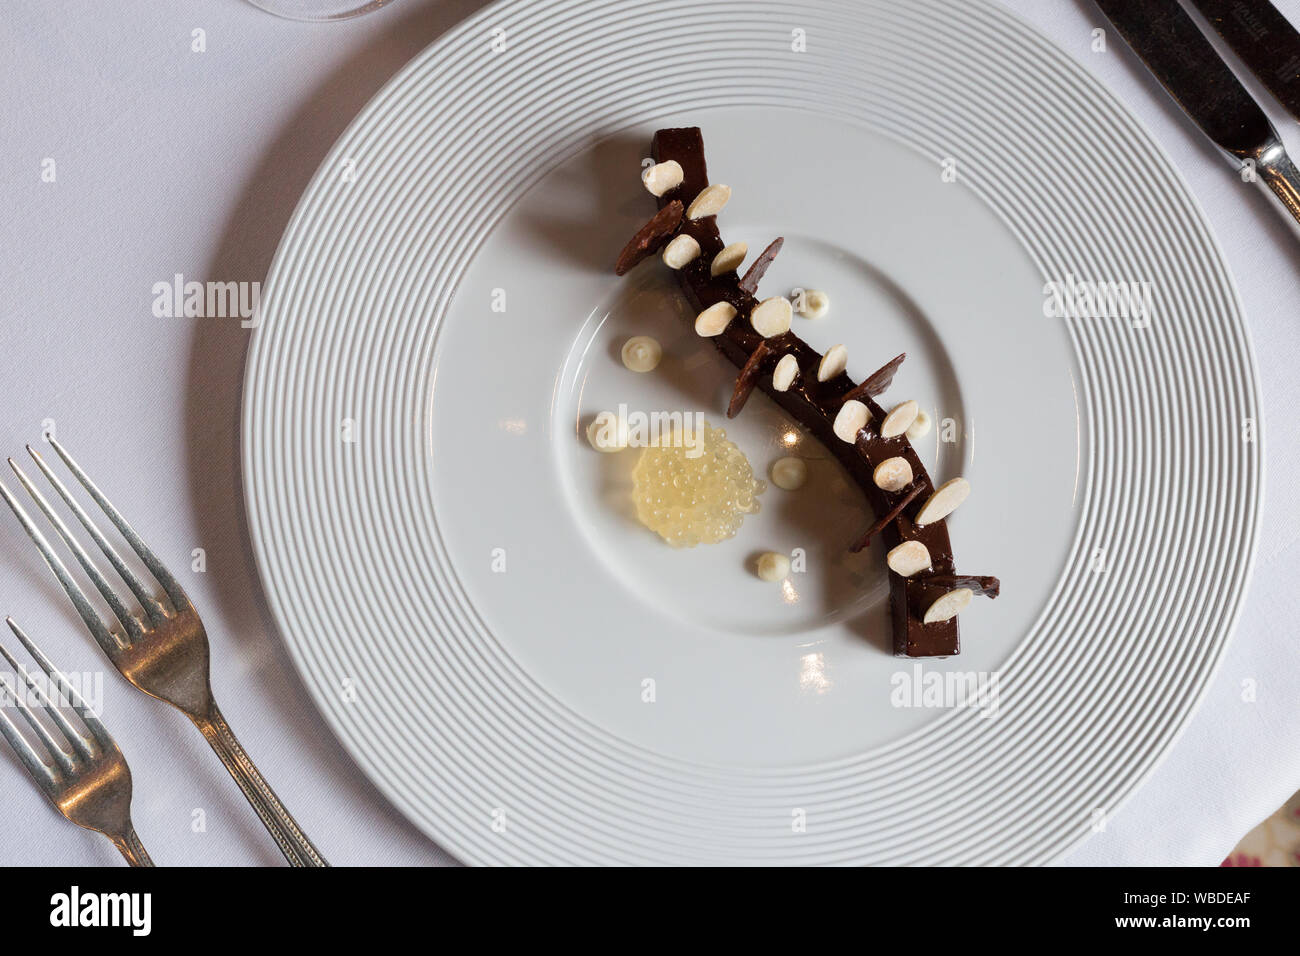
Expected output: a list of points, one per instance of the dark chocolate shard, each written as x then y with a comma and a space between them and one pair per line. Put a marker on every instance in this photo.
982, 584
885, 520
749, 373
754, 274
877, 381
651, 237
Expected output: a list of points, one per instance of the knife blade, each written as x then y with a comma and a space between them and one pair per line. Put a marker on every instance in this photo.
1173, 48
1164, 36
1265, 41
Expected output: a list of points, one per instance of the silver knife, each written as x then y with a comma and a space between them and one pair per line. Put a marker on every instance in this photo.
1182, 59
1264, 40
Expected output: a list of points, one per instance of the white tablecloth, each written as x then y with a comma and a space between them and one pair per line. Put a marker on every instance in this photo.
168, 161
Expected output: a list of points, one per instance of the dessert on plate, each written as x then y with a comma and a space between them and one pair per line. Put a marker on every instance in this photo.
926, 591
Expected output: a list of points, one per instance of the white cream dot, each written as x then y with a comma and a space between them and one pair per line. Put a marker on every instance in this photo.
789, 473
814, 304
920, 426
773, 566
607, 433
641, 353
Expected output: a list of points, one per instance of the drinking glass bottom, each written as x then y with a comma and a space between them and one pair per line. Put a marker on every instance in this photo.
319, 9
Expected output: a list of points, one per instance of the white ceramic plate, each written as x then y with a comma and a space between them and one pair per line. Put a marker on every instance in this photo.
533, 677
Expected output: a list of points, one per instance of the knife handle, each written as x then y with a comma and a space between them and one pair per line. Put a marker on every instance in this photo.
1274, 169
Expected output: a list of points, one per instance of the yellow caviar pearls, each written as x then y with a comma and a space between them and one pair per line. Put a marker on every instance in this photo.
692, 500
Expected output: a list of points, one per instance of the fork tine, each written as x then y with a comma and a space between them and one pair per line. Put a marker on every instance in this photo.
174, 591
133, 627
54, 748
74, 737
152, 606
106, 639
79, 706
38, 768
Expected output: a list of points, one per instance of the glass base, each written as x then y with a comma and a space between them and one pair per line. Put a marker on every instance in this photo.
319, 9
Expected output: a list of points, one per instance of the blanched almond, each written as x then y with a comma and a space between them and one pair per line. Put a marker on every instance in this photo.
851, 419
680, 251
771, 316
834, 362
709, 202
662, 177
729, 259
908, 558
899, 419
892, 474
948, 606
943, 502
714, 319
813, 304
786, 371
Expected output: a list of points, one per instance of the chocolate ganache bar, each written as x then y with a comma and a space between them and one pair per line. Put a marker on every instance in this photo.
926, 592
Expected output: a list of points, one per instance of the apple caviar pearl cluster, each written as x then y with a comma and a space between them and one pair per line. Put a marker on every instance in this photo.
689, 501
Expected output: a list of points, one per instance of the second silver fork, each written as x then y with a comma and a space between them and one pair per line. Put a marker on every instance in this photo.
85, 775
165, 652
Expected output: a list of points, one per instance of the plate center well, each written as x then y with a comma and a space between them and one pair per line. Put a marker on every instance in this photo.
714, 584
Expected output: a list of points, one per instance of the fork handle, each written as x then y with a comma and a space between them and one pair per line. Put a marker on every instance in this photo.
129, 846
293, 843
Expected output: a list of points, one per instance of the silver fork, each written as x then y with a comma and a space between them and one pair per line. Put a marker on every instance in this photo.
86, 779
165, 652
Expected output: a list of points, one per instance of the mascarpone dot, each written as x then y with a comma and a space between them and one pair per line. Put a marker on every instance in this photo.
789, 473
813, 304
920, 426
641, 353
607, 433
773, 566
